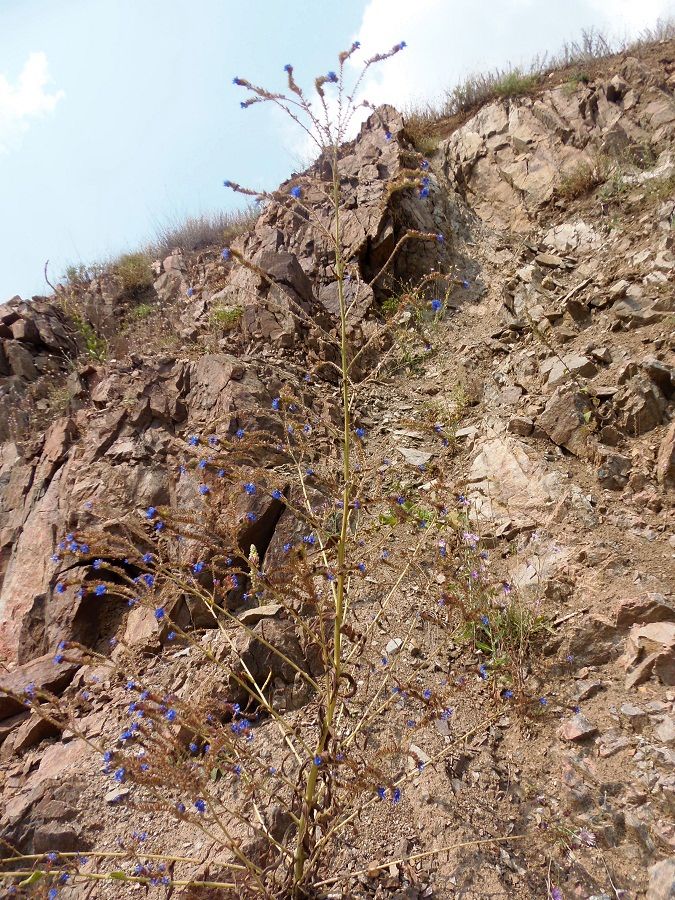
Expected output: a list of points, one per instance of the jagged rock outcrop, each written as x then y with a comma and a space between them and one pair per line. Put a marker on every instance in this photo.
511, 157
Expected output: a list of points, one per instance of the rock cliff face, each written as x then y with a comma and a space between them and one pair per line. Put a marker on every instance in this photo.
561, 343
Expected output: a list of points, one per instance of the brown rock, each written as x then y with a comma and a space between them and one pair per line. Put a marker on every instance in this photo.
652, 607
43, 673
578, 728
565, 420
665, 462
662, 880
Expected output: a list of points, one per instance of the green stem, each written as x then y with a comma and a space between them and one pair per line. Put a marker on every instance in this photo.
310, 798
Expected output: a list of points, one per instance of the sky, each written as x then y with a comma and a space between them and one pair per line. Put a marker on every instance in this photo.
119, 116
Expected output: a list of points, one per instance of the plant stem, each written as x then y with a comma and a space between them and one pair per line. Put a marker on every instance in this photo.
333, 684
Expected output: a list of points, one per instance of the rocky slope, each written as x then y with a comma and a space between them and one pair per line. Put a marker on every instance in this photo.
558, 212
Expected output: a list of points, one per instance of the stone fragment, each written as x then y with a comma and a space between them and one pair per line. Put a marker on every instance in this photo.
665, 461
662, 880
521, 425
613, 742
578, 728
566, 419
640, 405
652, 607
252, 616
549, 260
393, 646
414, 457
614, 469
572, 365
42, 673
586, 689
634, 715
634, 313
665, 731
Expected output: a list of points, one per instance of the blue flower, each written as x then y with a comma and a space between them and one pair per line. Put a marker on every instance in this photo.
424, 192
170, 715
362, 568
202, 464
239, 433
60, 588
159, 613
200, 805
171, 636
387, 136
197, 568
440, 238
426, 694
58, 658
360, 432
56, 558
100, 590
296, 192
203, 489
381, 792
287, 547
508, 694
193, 441
482, 671
220, 473
52, 894
180, 807
120, 774
190, 292
543, 701
288, 68
227, 183
332, 77
436, 305
249, 487
159, 526
276, 494
147, 557
396, 795
276, 403
465, 283
193, 748
309, 539
424, 164
251, 516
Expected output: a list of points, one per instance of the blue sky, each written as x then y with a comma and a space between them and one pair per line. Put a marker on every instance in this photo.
116, 115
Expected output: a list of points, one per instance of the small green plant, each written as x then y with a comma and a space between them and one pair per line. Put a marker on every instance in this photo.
143, 310
579, 79
93, 345
226, 317
515, 84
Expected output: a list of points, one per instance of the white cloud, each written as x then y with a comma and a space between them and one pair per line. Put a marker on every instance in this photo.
25, 100
449, 39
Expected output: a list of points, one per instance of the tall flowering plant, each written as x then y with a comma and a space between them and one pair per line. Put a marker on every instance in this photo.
295, 724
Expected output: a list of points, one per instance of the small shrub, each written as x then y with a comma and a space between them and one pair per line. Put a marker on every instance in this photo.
133, 270
92, 344
579, 181
515, 84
